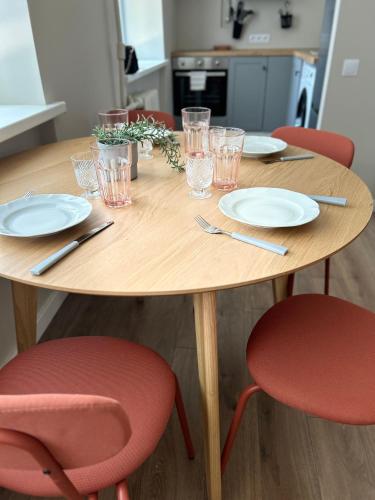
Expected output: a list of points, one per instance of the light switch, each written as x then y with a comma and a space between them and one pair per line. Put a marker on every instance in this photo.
350, 67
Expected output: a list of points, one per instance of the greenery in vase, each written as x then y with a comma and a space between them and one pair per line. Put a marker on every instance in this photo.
141, 130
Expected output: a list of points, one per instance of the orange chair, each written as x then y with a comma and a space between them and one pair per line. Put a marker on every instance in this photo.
335, 146
80, 414
160, 116
314, 353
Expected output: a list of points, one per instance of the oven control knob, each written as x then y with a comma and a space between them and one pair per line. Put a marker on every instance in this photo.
217, 62
200, 62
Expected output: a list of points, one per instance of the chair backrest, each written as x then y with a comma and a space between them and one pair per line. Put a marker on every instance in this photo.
335, 146
160, 116
77, 429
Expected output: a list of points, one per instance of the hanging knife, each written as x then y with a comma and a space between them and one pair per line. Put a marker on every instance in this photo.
60, 254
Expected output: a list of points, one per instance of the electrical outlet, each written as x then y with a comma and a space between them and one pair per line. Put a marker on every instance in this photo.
260, 38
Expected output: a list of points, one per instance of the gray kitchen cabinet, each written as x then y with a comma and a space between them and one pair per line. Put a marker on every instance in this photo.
294, 90
277, 92
246, 92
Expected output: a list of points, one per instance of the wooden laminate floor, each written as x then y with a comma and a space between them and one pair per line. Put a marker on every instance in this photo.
280, 453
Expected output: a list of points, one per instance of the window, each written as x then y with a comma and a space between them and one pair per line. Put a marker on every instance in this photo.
20, 81
142, 27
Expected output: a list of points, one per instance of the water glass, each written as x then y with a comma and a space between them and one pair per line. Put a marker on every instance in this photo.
226, 143
195, 122
113, 119
85, 173
113, 168
199, 172
145, 150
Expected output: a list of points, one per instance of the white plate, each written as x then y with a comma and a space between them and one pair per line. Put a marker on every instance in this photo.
269, 207
42, 214
259, 146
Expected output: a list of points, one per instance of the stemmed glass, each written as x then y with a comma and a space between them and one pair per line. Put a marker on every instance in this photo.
85, 173
199, 172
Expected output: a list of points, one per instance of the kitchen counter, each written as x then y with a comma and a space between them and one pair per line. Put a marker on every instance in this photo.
310, 56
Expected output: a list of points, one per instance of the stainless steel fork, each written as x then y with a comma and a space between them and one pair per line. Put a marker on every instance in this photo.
266, 245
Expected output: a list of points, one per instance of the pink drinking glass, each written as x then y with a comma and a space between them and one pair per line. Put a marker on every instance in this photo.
226, 143
114, 118
113, 170
195, 122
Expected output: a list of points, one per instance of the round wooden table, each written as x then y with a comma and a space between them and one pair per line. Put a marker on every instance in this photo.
156, 248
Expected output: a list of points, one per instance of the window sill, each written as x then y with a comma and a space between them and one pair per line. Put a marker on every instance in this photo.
15, 119
146, 68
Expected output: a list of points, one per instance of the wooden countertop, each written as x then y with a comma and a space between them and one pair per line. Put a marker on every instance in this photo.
304, 54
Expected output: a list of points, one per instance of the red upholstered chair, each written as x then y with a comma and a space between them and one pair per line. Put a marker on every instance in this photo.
160, 116
80, 414
335, 146
299, 353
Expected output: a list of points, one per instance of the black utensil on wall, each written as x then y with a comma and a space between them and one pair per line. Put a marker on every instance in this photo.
286, 17
242, 15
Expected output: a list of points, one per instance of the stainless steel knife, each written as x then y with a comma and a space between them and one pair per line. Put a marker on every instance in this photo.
60, 254
288, 158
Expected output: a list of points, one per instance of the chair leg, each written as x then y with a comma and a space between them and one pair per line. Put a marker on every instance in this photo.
184, 422
326, 276
122, 491
236, 420
290, 285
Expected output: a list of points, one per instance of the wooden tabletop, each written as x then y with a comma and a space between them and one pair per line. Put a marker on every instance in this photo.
309, 55
155, 247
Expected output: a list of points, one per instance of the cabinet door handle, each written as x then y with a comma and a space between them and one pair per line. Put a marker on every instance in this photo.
264, 68
297, 72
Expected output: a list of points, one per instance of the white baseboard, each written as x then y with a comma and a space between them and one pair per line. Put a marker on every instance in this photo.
48, 309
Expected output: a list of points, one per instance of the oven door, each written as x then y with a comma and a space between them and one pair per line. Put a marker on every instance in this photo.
214, 96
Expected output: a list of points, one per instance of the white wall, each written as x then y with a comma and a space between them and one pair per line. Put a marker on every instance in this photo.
199, 24
20, 81
349, 106
75, 43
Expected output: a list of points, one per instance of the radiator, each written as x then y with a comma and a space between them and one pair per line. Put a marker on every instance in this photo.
149, 99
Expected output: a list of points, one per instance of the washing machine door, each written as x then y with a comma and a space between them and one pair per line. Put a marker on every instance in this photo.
301, 112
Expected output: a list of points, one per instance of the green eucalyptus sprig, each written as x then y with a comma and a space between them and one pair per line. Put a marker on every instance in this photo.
141, 130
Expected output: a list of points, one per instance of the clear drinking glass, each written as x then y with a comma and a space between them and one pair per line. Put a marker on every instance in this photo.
113, 168
195, 122
145, 150
199, 171
114, 118
226, 143
85, 173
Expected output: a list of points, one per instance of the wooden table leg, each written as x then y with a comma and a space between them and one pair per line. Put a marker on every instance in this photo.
206, 335
280, 288
25, 309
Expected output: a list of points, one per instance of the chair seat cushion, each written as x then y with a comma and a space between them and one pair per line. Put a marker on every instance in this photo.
135, 376
317, 353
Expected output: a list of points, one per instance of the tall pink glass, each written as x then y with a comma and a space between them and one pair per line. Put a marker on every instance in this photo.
195, 122
226, 143
113, 169
114, 118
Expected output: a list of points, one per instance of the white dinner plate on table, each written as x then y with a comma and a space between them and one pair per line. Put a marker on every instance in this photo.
269, 207
257, 146
42, 214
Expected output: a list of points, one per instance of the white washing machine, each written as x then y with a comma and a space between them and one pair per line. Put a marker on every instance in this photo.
305, 95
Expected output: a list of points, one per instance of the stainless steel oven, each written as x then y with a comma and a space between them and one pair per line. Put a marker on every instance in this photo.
201, 81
